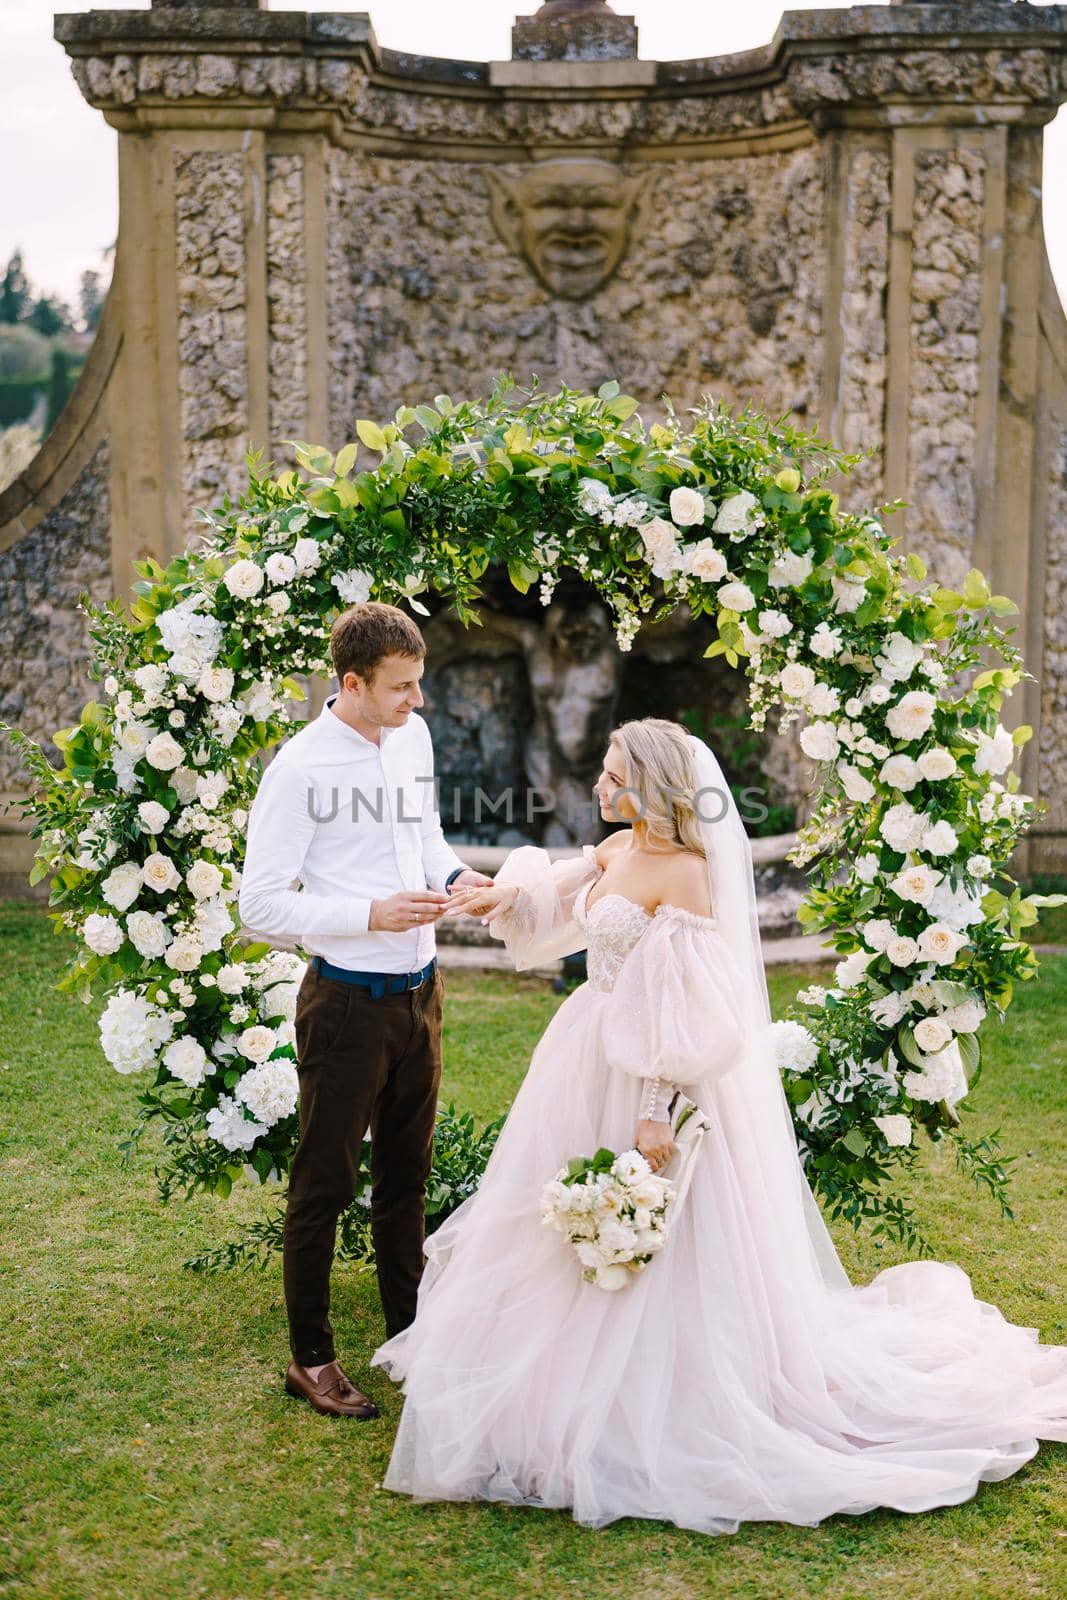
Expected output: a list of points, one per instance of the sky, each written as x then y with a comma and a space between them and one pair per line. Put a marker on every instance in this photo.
58, 183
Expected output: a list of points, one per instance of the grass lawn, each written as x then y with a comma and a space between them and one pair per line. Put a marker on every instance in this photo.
148, 1451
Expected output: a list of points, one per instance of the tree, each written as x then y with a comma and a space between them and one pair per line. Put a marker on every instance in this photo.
59, 386
92, 299
14, 291
50, 315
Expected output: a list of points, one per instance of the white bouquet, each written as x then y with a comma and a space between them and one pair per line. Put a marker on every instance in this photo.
613, 1208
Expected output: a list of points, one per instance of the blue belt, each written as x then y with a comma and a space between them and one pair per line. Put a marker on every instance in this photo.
378, 983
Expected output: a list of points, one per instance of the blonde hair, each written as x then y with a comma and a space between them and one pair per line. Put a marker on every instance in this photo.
657, 762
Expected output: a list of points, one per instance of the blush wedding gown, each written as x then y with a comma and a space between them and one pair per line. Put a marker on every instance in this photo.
740, 1376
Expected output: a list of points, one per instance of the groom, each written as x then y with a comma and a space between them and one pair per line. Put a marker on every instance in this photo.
348, 808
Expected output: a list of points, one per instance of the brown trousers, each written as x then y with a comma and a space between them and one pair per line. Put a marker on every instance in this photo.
363, 1063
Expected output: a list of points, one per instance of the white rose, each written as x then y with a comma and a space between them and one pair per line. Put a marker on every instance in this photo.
789, 570
879, 693
796, 680
932, 1035
913, 715
204, 879
160, 873
825, 642
902, 951
848, 973
103, 933
215, 683
134, 737
895, 1129
164, 752
702, 560
739, 514
244, 579
866, 867
278, 603
940, 840
936, 763
661, 543
148, 933
916, 884
819, 741
878, 932
900, 772
848, 592
151, 679
899, 657
353, 586
280, 568
257, 1042
775, 624
979, 866
736, 596
903, 827
687, 507
941, 943
856, 786
232, 978
822, 700
188, 1061
122, 885
996, 752
185, 954
592, 494
307, 555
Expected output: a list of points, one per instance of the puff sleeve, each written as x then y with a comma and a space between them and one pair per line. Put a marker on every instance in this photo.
673, 1014
541, 927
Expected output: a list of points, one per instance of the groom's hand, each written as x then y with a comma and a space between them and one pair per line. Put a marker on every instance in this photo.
469, 879
408, 909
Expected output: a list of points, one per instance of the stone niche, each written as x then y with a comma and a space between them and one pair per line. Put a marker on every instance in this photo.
315, 229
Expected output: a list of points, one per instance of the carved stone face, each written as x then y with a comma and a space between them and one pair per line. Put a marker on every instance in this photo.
571, 218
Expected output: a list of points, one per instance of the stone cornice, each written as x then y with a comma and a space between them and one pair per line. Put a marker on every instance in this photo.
873, 65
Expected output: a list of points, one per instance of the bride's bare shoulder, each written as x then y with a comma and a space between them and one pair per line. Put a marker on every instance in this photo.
610, 846
685, 884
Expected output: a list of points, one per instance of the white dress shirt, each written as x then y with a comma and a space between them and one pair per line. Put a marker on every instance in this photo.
352, 822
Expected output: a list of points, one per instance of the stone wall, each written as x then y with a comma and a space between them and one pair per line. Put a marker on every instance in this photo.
44, 644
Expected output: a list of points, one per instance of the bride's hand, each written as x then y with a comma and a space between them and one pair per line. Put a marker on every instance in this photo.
482, 902
655, 1141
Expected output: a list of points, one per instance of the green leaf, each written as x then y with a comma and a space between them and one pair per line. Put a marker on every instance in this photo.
916, 566
608, 391
346, 460
855, 1142
1022, 734
976, 590
371, 435
970, 1053
1002, 606
908, 1048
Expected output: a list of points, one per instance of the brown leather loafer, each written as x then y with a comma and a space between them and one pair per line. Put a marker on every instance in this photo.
331, 1392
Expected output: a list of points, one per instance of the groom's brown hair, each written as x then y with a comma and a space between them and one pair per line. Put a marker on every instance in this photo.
367, 632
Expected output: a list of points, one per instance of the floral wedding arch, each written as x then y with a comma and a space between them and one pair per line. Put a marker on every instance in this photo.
141, 830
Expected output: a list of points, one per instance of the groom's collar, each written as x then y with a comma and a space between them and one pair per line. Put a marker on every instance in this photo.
352, 735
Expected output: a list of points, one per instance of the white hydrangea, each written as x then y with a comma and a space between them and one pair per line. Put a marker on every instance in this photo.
878, 931
903, 827
900, 772
280, 568
151, 680
889, 1009
775, 624
232, 978
795, 1049
823, 699
183, 782
866, 867
979, 866
856, 786
213, 923
188, 1061
848, 592
967, 1017
270, 1091
353, 586
132, 1031
592, 495
189, 632
848, 973
307, 555
227, 1123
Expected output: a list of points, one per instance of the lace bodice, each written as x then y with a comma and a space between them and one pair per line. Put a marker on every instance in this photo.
613, 926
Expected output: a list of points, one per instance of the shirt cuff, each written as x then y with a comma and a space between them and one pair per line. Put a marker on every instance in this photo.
454, 874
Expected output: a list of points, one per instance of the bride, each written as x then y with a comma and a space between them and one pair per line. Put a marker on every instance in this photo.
740, 1376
